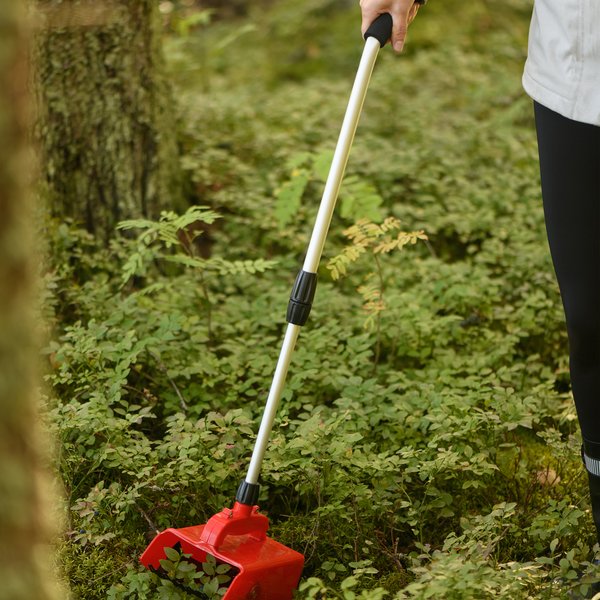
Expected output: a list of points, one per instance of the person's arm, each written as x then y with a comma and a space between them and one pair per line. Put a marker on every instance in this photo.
402, 11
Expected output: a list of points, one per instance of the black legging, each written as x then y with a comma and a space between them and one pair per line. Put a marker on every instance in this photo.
570, 168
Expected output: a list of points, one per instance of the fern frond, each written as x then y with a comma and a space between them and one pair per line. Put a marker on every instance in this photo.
169, 224
297, 160
188, 261
338, 264
289, 195
390, 223
193, 215
373, 303
402, 239
370, 292
239, 267
322, 164
135, 224
363, 232
360, 199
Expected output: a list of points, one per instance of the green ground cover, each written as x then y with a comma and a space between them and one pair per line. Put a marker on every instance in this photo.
426, 445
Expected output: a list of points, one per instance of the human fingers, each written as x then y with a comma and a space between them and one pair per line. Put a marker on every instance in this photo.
370, 10
400, 27
414, 9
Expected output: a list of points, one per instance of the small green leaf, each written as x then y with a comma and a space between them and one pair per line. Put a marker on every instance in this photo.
211, 588
167, 565
172, 554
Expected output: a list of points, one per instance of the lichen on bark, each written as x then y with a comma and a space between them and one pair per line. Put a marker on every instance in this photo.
106, 125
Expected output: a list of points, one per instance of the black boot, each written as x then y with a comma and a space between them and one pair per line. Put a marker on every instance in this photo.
591, 459
589, 452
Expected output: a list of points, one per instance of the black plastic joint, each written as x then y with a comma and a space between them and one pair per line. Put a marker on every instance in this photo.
247, 493
301, 298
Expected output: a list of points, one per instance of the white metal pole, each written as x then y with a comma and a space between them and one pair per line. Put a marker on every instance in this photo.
317, 241
340, 157
285, 356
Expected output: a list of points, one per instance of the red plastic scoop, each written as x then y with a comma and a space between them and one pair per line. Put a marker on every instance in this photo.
267, 569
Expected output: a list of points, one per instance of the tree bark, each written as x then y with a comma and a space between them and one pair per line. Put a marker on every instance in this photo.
23, 491
105, 125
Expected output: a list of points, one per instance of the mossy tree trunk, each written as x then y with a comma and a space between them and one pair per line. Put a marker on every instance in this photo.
106, 124
23, 497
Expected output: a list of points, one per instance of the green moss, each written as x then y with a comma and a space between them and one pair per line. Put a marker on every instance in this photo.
92, 569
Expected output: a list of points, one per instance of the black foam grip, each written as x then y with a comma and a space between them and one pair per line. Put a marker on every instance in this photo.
381, 29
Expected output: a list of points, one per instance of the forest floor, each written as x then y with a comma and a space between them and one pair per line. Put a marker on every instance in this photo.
427, 445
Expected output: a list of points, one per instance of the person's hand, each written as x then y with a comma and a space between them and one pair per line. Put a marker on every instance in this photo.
402, 11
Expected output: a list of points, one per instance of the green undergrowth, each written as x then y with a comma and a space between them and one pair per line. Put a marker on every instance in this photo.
426, 445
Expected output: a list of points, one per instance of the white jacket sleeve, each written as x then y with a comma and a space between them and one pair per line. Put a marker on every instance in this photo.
562, 71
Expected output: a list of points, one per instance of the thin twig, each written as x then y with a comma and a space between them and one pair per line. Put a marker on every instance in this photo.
430, 248
148, 519
163, 368
378, 317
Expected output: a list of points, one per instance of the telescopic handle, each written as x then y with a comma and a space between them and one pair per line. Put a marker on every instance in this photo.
303, 291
